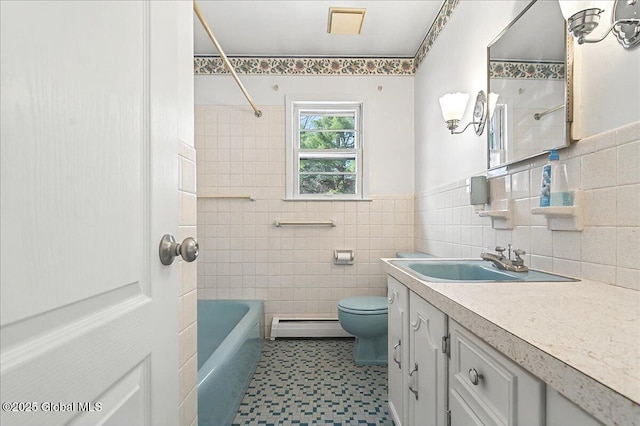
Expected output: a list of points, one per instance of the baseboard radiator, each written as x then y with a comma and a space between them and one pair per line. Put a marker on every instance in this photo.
306, 327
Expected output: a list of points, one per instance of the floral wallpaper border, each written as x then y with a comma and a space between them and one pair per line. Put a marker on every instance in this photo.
213, 65
527, 70
306, 66
438, 24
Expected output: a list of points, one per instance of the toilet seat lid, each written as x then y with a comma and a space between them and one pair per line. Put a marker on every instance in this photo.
365, 304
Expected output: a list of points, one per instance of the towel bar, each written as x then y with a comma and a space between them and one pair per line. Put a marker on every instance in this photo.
331, 223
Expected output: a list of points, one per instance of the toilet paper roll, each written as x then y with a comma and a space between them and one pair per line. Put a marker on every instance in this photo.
343, 257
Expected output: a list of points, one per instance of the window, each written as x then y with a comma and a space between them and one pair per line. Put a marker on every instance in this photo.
325, 153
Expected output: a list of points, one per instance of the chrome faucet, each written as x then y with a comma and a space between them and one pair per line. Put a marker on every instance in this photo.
502, 262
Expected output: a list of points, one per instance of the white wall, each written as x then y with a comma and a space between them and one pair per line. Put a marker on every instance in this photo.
456, 63
610, 86
607, 92
388, 115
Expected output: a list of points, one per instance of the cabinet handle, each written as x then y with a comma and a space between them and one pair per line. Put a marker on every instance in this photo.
474, 376
391, 298
395, 351
415, 369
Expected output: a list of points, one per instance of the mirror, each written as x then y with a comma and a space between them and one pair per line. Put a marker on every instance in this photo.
529, 68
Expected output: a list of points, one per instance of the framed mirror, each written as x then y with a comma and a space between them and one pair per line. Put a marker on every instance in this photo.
530, 69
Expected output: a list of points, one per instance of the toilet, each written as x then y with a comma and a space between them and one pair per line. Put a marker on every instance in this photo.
366, 318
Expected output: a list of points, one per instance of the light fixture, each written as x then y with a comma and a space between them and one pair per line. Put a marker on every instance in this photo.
345, 21
453, 106
583, 17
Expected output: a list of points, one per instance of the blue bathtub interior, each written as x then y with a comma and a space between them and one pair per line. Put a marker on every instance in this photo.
230, 339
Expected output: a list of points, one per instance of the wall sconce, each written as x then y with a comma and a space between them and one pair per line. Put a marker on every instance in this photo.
453, 106
583, 17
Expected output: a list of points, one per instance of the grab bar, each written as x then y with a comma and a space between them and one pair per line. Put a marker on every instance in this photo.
228, 197
539, 115
203, 21
279, 223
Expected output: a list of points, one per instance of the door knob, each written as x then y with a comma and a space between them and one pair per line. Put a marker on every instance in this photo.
169, 249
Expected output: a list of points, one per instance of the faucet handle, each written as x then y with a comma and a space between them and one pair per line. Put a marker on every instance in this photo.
519, 261
500, 250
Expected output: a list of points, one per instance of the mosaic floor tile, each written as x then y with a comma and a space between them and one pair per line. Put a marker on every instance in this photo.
314, 382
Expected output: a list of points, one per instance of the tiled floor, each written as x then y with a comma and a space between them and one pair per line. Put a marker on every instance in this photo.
314, 382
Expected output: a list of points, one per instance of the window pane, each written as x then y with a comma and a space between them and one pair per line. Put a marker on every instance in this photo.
340, 165
327, 140
327, 184
327, 122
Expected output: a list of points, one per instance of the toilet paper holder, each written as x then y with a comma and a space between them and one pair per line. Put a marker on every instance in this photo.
343, 257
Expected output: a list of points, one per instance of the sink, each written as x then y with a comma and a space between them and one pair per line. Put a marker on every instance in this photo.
470, 271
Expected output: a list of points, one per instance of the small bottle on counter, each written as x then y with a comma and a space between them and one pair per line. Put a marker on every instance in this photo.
554, 189
560, 194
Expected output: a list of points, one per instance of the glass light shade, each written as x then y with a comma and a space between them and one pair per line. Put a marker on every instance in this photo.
493, 99
571, 7
453, 105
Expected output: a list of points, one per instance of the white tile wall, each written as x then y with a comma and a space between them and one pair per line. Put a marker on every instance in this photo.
187, 299
244, 256
605, 166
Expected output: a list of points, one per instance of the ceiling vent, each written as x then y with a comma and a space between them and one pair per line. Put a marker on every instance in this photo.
345, 21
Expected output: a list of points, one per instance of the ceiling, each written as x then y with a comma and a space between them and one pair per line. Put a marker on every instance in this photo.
299, 28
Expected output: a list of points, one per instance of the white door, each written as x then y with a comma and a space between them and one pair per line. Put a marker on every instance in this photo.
89, 186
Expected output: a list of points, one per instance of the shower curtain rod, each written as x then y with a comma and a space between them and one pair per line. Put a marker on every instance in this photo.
196, 9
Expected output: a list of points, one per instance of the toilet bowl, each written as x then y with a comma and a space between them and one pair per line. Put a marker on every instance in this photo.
366, 318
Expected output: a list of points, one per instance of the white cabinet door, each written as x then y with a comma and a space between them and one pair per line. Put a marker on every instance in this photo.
398, 348
89, 115
494, 388
427, 380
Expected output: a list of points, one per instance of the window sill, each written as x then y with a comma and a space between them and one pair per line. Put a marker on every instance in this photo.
328, 199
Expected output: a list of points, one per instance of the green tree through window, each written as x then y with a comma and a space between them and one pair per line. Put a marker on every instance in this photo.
327, 156
324, 150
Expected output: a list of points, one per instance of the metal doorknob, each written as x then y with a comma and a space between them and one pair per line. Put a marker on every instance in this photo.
169, 249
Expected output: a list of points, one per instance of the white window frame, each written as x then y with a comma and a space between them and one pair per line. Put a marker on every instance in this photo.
294, 153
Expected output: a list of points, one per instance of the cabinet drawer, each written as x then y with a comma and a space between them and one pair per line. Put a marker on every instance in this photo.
494, 387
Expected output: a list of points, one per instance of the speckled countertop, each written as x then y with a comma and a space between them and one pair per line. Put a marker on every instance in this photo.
582, 338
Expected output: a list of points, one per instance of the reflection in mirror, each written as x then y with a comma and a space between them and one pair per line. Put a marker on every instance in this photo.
527, 66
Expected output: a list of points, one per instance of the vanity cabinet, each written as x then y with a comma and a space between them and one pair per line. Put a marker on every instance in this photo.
440, 373
417, 364
485, 387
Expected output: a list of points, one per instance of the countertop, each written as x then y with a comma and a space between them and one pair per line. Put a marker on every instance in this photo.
582, 338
